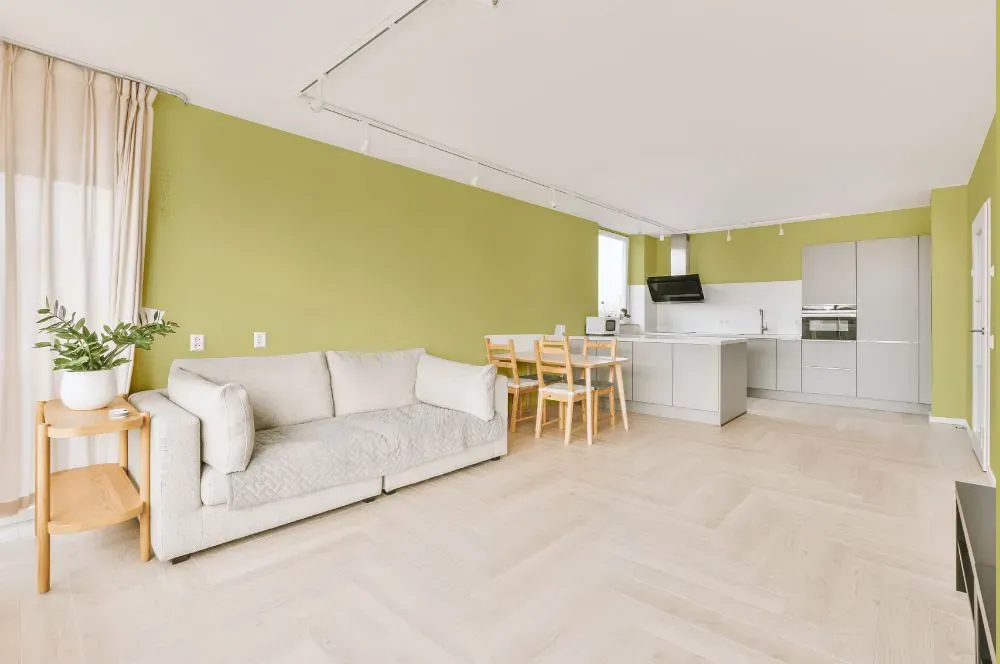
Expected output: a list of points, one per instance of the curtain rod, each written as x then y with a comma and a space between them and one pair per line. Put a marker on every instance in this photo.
110, 72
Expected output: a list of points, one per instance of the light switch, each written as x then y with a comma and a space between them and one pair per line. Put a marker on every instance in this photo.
197, 342
260, 339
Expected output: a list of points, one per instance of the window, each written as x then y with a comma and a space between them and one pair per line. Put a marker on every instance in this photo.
612, 275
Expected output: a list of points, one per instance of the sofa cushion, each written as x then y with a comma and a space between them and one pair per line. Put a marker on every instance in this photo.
424, 432
214, 486
283, 389
227, 424
463, 387
298, 459
364, 382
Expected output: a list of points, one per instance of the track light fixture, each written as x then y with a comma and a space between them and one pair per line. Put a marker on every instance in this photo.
318, 102
781, 229
366, 144
729, 236
475, 176
552, 204
661, 237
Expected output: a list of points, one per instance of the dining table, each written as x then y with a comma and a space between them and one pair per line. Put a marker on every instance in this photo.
587, 363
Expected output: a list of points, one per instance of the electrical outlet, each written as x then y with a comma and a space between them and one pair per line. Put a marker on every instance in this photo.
197, 342
260, 339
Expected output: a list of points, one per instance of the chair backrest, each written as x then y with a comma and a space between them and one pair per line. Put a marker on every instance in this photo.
610, 345
506, 360
552, 357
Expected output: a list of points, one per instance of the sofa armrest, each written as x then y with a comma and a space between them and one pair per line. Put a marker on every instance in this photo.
500, 398
174, 474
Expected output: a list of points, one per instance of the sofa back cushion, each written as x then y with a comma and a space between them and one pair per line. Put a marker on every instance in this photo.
363, 382
227, 426
463, 387
283, 389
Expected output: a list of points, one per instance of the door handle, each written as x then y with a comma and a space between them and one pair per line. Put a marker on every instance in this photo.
978, 331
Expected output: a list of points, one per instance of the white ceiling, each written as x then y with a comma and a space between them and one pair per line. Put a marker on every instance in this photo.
694, 113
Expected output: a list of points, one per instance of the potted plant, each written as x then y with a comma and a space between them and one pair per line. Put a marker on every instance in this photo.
624, 315
87, 359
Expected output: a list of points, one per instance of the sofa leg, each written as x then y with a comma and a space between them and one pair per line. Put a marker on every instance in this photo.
179, 559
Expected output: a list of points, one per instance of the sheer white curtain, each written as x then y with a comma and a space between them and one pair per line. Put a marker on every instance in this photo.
74, 183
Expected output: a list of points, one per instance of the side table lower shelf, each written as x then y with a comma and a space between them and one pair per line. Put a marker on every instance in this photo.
91, 497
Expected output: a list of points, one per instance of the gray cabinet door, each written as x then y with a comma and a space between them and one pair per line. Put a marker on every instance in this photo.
696, 376
888, 371
888, 290
829, 274
762, 363
625, 350
924, 269
789, 366
829, 354
652, 373
833, 382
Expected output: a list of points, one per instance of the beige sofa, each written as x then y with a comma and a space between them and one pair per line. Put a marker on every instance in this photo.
309, 454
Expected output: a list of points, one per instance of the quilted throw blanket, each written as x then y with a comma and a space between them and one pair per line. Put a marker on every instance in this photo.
298, 459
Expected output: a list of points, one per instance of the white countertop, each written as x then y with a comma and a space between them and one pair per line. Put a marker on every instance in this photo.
692, 339
724, 335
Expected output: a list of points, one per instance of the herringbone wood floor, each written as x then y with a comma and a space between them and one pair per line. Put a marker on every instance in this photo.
795, 534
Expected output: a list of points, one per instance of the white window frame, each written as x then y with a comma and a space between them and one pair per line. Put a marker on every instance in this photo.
625, 242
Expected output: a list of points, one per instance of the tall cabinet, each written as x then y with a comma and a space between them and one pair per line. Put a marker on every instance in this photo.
888, 291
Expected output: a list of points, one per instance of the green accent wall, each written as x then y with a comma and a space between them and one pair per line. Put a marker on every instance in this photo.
760, 254
641, 259
951, 304
253, 229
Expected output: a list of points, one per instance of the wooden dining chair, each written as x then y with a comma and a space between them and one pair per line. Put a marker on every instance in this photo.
502, 356
552, 359
600, 386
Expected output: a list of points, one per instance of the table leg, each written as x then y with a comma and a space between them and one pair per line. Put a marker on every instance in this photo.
590, 407
39, 420
144, 542
621, 394
42, 513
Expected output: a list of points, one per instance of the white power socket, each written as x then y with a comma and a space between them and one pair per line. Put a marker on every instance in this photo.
260, 339
197, 342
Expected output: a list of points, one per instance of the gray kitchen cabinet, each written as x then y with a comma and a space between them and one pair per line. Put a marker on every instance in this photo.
924, 299
576, 346
829, 354
832, 382
888, 290
829, 274
762, 363
696, 376
888, 371
788, 365
652, 373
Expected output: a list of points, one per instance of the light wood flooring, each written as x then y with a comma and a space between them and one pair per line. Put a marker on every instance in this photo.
795, 534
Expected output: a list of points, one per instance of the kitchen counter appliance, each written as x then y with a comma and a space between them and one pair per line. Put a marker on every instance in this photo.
602, 326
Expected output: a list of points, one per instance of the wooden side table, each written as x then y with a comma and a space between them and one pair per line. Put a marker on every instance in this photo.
72, 501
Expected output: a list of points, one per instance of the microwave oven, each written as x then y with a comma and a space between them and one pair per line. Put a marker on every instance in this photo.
602, 325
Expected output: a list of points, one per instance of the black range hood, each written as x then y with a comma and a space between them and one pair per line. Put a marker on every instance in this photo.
681, 288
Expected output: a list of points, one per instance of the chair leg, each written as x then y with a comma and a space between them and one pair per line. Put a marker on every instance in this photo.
569, 421
611, 406
515, 411
562, 416
597, 411
540, 411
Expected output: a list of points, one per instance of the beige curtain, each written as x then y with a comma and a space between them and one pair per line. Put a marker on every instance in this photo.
74, 183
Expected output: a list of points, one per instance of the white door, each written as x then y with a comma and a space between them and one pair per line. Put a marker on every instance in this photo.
981, 337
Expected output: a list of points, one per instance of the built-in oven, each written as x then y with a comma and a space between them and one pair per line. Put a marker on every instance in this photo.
834, 322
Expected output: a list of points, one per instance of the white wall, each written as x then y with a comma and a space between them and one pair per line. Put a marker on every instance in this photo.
734, 308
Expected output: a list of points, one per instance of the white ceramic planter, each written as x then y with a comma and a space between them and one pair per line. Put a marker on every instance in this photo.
87, 390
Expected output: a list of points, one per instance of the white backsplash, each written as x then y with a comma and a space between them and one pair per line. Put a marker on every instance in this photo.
735, 309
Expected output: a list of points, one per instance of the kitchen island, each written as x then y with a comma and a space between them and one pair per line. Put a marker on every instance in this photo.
685, 377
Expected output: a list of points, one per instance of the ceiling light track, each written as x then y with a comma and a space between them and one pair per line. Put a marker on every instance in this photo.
370, 122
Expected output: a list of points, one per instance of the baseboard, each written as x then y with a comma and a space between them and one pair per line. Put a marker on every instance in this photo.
842, 402
954, 421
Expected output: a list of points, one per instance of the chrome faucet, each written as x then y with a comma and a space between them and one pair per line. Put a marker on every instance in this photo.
763, 325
